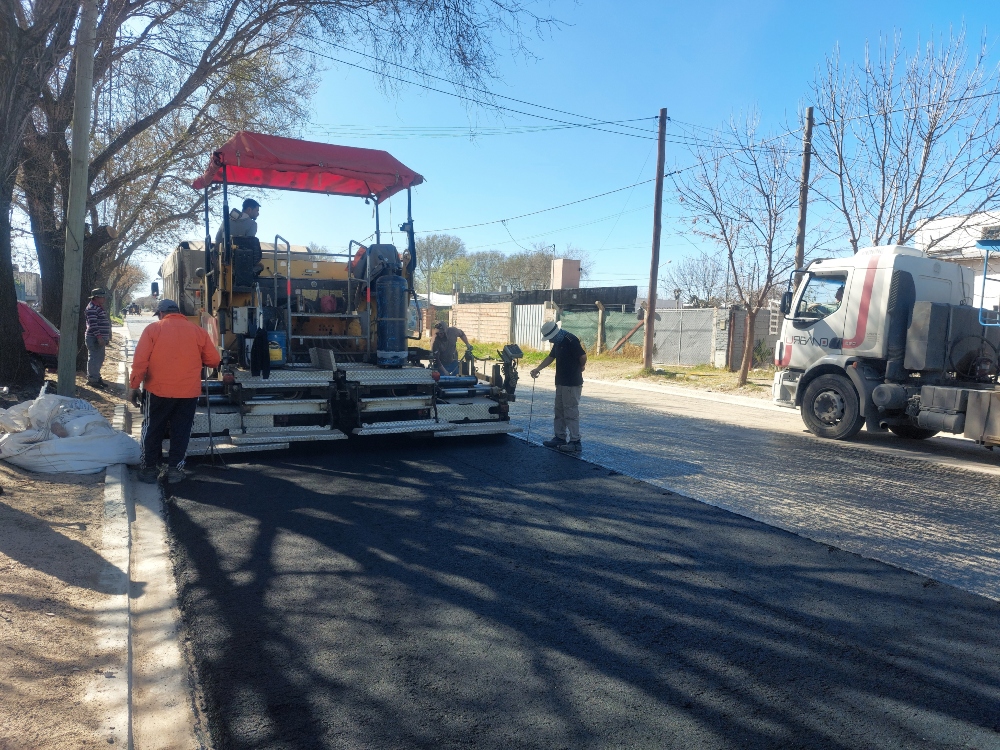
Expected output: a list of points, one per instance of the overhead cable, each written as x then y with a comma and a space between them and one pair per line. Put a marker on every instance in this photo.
591, 126
471, 88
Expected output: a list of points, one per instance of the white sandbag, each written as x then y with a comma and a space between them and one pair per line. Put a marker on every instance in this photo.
58, 434
15, 418
87, 454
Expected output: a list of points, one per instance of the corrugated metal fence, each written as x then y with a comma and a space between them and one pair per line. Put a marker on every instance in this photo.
528, 326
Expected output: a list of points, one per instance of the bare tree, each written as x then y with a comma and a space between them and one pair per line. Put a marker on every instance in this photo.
741, 195
174, 79
701, 280
903, 139
34, 37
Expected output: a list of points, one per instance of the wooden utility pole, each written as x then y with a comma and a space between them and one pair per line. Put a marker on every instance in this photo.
654, 265
599, 343
76, 210
800, 235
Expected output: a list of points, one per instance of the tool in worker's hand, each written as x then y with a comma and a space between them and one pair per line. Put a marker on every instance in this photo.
531, 410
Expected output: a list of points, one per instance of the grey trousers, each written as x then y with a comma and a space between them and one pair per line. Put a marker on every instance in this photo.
95, 359
568, 411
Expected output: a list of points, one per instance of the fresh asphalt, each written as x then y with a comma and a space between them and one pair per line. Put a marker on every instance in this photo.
494, 594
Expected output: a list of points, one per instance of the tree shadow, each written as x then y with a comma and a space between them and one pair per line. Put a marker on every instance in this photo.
502, 596
39, 546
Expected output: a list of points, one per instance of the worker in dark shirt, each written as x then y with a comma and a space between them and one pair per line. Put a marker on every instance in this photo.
571, 360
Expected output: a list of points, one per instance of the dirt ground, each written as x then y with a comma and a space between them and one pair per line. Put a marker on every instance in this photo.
50, 565
702, 377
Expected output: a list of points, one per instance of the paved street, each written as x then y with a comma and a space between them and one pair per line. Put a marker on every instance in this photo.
932, 506
498, 595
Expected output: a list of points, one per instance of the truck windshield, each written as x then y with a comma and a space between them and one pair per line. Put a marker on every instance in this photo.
821, 297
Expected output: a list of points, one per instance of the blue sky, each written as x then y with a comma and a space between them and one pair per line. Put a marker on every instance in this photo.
610, 61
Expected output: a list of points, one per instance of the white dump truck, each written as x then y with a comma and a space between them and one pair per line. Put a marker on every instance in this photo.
889, 339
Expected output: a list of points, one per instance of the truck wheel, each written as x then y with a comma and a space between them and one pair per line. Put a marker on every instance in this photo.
912, 433
830, 408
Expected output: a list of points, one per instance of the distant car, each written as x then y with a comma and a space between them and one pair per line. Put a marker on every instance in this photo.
41, 338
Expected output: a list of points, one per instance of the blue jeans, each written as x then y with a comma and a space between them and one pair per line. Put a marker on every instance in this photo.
451, 369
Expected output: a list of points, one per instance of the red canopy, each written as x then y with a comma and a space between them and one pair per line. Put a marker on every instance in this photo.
269, 161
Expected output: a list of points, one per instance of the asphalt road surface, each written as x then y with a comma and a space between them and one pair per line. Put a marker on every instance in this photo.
499, 595
931, 506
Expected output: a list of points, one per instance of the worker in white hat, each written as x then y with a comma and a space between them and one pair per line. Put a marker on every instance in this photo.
571, 360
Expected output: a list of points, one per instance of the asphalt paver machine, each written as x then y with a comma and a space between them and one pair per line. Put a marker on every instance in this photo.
319, 345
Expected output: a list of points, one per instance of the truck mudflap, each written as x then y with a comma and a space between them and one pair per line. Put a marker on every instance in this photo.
786, 383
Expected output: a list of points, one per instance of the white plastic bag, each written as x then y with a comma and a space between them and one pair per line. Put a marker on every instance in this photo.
57, 434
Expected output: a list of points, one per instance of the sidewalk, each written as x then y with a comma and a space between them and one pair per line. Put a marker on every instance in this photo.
89, 627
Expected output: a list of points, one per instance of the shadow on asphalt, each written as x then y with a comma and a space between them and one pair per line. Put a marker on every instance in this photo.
497, 595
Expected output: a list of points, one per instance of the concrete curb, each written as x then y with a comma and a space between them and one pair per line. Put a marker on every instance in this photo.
112, 689
164, 713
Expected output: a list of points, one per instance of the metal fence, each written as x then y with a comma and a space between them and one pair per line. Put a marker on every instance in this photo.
528, 326
684, 337
583, 325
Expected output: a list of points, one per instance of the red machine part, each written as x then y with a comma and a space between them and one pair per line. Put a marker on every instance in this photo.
41, 338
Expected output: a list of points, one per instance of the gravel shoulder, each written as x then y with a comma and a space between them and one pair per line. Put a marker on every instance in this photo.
50, 565
51, 655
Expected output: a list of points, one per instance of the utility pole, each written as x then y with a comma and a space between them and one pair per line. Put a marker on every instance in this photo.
654, 265
76, 210
800, 235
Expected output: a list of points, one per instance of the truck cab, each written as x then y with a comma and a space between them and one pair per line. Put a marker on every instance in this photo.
847, 330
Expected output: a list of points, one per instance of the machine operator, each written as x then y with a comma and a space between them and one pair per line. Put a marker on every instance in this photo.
241, 223
445, 347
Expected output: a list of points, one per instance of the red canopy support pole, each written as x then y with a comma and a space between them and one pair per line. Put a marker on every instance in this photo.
208, 259
225, 213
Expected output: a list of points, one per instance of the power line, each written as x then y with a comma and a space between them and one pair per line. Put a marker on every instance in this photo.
471, 88
448, 131
591, 126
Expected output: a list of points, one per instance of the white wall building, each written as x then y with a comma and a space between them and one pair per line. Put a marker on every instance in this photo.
959, 246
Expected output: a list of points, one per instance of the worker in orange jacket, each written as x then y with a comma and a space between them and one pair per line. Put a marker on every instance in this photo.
168, 361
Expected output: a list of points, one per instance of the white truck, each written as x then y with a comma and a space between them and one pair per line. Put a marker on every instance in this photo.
888, 339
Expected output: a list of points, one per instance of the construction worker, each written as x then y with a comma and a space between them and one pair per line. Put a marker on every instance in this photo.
571, 360
97, 335
168, 361
445, 347
241, 223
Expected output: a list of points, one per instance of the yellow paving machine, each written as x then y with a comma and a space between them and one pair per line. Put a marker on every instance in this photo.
319, 346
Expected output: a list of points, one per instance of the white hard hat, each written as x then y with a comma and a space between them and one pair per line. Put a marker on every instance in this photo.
549, 330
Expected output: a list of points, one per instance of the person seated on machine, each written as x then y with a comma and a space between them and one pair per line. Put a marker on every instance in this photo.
241, 223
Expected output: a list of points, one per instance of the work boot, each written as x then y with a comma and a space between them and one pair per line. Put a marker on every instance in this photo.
573, 446
555, 442
149, 474
174, 474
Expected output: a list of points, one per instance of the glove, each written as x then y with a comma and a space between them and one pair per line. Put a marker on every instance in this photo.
136, 399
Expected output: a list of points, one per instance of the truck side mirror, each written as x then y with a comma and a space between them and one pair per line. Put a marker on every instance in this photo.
786, 303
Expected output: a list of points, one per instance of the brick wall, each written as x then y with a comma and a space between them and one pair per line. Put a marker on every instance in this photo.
483, 321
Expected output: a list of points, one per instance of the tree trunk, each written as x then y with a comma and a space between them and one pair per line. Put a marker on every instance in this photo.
748, 345
15, 366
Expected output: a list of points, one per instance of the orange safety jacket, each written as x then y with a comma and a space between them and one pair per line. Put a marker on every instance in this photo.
170, 355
